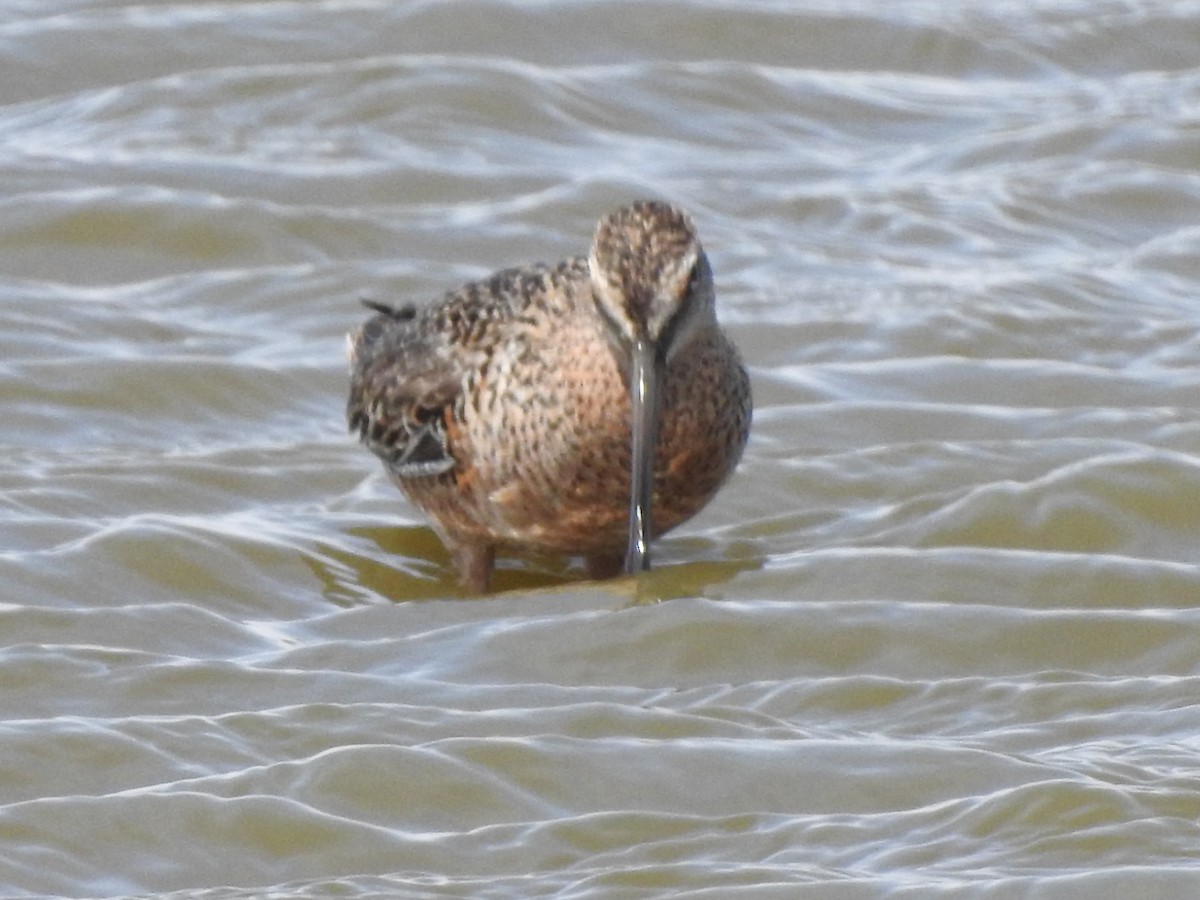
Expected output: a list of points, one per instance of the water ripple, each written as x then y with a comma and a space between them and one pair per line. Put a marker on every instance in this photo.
937, 636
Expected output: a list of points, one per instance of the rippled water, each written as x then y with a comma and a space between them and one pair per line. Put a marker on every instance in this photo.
940, 636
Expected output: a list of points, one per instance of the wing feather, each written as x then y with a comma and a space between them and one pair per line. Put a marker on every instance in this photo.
403, 384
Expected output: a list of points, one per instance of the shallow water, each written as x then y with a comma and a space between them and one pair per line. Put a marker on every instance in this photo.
940, 636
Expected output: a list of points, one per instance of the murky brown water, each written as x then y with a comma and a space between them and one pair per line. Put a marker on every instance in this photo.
939, 637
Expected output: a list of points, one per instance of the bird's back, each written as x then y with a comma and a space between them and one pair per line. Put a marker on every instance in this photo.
414, 371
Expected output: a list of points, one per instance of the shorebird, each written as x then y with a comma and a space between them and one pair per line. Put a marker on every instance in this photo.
581, 408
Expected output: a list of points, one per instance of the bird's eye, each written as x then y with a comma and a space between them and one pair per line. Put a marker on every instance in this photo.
697, 275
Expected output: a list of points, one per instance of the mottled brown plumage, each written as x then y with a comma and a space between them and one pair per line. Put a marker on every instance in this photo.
503, 410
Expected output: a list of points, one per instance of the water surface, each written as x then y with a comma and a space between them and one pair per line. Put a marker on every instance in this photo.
940, 635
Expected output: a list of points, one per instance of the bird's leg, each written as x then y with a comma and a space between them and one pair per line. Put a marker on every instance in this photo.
474, 563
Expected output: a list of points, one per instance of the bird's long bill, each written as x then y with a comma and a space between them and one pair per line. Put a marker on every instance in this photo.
644, 396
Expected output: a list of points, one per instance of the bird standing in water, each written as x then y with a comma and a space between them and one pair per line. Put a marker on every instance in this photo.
581, 408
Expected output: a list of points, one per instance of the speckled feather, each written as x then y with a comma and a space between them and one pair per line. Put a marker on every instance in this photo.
502, 410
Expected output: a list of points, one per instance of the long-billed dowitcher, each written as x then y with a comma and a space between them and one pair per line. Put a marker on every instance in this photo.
579, 408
